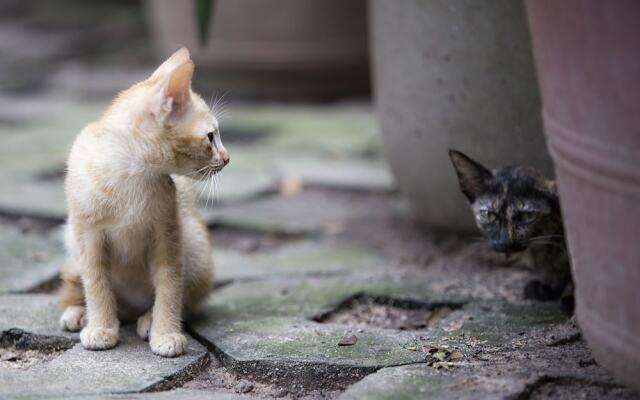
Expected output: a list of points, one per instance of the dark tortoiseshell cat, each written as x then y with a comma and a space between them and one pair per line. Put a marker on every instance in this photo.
518, 209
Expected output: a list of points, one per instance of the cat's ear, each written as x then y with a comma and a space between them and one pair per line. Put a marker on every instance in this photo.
175, 60
179, 85
173, 93
472, 176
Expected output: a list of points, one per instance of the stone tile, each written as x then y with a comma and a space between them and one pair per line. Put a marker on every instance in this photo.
28, 260
540, 372
183, 394
33, 156
267, 328
130, 367
348, 174
423, 382
33, 313
327, 131
297, 259
309, 212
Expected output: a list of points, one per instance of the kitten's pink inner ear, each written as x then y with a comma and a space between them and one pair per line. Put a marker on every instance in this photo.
180, 84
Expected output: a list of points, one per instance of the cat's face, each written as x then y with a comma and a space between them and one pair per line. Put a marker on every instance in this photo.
513, 206
186, 131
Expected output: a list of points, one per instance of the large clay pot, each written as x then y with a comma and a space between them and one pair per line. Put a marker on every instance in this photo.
274, 48
588, 60
453, 74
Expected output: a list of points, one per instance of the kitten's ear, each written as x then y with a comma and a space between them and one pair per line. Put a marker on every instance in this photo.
174, 92
176, 59
472, 176
551, 187
179, 85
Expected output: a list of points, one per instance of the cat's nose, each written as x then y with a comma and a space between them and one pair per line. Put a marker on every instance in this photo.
507, 247
224, 155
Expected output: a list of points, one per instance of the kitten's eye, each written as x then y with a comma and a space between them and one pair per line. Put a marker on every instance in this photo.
487, 216
527, 217
210, 136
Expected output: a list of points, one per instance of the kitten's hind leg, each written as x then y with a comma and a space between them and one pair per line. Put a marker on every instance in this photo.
71, 296
73, 319
144, 325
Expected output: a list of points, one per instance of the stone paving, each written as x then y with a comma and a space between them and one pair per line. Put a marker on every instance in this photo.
326, 287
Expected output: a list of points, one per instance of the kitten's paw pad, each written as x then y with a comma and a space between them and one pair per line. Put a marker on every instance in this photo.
144, 326
168, 344
73, 319
99, 338
536, 290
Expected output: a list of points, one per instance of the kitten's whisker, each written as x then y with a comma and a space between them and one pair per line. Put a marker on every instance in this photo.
543, 243
546, 237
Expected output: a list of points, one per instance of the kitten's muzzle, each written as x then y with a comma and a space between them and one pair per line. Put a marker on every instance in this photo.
508, 247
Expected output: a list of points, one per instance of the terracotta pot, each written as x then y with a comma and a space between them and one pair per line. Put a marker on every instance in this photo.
588, 60
275, 48
453, 74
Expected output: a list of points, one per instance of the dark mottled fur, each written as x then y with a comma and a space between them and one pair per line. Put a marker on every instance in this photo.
517, 209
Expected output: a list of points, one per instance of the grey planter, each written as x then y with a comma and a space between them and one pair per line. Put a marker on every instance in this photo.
453, 74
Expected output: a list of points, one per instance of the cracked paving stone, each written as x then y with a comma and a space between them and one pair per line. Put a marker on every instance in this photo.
130, 367
28, 260
297, 259
33, 313
536, 373
266, 329
309, 212
22, 163
182, 394
327, 146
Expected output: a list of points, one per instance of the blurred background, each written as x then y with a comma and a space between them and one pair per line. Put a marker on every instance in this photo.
338, 116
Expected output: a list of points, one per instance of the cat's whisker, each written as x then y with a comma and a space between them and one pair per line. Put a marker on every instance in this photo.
216, 191
544, 243
203, 185
546, 237
211, 188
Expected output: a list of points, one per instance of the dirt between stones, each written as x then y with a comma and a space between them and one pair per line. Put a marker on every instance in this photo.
217, 378
366, 311
12, 358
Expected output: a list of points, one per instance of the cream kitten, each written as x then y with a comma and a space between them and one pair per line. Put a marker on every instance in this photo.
137, 246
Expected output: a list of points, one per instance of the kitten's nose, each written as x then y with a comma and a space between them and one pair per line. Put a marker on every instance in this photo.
225, 157
507, 247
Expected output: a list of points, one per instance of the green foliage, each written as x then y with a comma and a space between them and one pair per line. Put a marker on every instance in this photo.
203, 15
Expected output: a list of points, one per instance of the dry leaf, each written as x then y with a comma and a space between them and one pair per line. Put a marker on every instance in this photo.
290, 186
456, 355
348, 341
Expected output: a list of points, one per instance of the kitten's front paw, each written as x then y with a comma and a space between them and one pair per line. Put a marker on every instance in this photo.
73, 319
168, 344
99, 338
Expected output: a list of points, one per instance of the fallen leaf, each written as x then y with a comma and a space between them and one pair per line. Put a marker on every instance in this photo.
290, 186
348, 341
456, 355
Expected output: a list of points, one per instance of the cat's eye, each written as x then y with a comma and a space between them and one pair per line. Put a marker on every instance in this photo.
486, 216
527, 217
210, 136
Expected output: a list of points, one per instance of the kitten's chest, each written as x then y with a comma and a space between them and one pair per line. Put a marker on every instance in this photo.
129, 243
